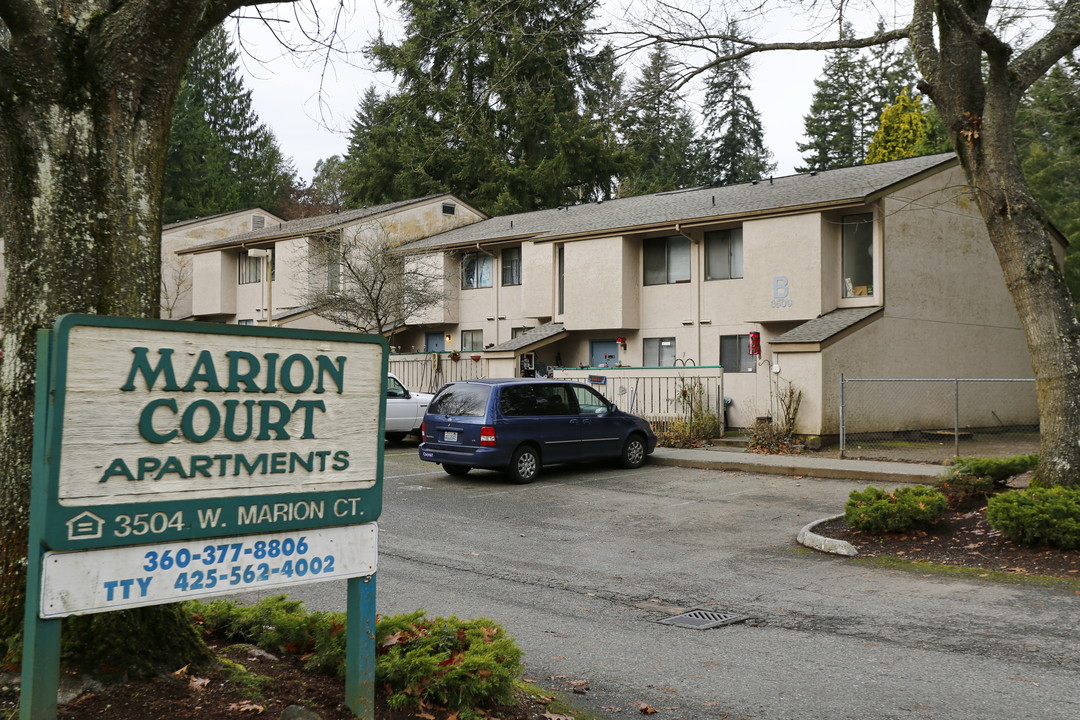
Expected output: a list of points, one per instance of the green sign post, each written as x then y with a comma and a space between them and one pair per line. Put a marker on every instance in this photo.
182, 460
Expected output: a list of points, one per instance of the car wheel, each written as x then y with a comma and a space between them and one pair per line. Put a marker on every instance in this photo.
633, 452
524, 465
456, 470
395, 436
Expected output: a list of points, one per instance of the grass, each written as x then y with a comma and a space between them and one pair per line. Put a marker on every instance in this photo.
957, 571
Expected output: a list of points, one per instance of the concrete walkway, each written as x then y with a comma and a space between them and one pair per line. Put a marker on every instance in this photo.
868, 471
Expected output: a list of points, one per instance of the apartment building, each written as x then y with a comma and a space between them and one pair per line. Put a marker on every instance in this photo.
873, 271
261, 275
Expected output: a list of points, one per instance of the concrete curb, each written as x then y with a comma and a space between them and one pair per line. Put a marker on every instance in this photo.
811, 539
830, 468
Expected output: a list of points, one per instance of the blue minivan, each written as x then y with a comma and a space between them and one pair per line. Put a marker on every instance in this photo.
521, 424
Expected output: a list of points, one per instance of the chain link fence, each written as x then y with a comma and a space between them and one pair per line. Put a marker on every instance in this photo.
937, 419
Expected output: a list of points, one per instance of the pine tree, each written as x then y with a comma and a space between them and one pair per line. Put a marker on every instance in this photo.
221, 157
488, 106
902, 130
1048, 137
890, 70
659, 133
734, 140
839, 112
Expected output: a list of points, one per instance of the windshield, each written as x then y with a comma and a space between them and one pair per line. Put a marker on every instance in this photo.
461, 399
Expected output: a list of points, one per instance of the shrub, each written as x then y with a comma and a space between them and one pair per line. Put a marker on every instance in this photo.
999, 470
460, 664
974, 477
1038, 516
876, 511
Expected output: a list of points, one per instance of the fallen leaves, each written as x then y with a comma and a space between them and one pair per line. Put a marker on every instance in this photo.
246, 706
645, 709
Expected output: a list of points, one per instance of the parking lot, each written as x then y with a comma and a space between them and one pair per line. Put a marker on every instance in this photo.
581, 564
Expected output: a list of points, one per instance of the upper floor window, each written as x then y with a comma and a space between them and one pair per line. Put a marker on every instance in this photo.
511, 266
724, 254
250, 266
659, 352
258, 222
735, 354
449, 209
857, 254
475, 270
472, 340
666, 260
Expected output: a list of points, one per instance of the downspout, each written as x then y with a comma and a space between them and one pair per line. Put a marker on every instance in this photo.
496, 286
698, 282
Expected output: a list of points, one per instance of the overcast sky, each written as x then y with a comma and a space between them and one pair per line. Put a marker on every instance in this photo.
309, 104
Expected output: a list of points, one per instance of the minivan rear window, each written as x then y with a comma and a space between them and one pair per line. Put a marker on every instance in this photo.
461, 399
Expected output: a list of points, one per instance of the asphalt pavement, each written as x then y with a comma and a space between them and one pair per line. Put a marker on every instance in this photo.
584, 564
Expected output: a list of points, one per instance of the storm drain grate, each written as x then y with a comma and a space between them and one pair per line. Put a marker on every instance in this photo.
702, 619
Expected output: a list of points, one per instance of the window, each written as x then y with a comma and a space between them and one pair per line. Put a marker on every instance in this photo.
467, 399
511, 266
666, 260
735, 354
724, 254
245, 322
475, 271
515, 332
449, 209
659, 352
589, 401
857, 254
561, 262
258, 222
529, 399
250, 267
472, 340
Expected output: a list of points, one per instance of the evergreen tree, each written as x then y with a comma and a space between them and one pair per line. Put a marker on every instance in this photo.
890, 70
1048, 137
734, 140
488, 106
221, 157
902, 131
839, 112
662, 147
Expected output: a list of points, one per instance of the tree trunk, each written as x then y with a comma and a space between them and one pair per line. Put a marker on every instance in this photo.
86, 95
977, 92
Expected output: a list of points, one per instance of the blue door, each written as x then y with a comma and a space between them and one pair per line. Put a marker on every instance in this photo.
603, 353
434, 342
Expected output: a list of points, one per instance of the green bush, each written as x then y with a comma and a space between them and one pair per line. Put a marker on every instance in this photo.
279, 625
876, 511
1038, 516
458, 664
999, 470
975, 477
461, 664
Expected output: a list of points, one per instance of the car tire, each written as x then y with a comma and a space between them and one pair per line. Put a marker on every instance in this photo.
524, 465
633, 452
395, 436
456, 470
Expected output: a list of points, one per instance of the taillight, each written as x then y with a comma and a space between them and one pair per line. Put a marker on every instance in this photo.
423, 432
487, 436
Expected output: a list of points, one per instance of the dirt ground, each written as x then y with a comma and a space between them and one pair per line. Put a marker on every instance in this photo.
938, 448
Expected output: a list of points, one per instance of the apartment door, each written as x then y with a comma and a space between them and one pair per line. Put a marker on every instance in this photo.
434, 342
603, 353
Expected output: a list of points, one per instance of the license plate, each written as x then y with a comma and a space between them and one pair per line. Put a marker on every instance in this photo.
450, 436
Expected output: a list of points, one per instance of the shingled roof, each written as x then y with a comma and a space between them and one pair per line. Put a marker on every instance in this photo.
302, 227
531, 337
826, 326
792, 193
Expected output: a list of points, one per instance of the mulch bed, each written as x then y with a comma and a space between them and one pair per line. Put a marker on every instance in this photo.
962, 537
